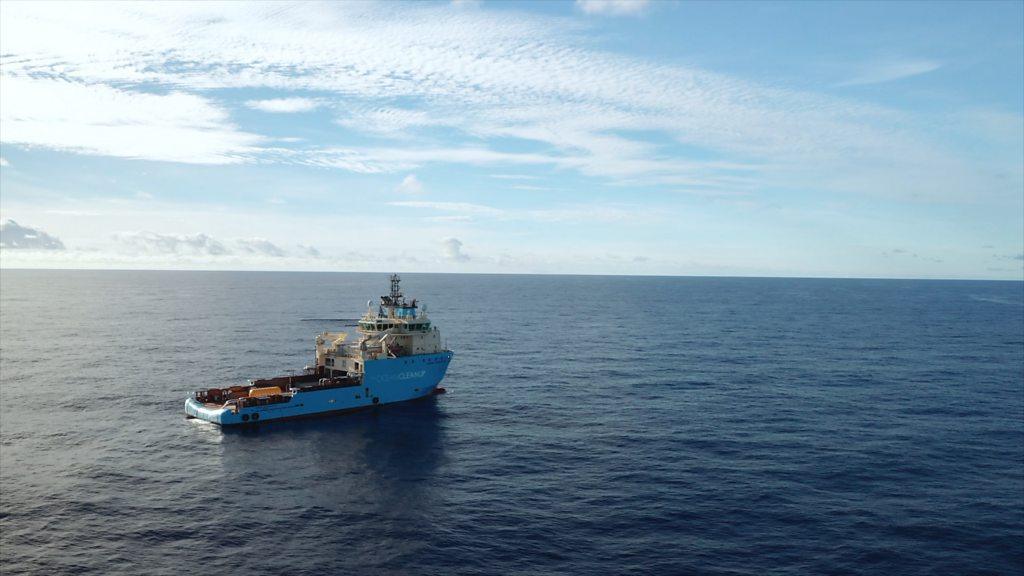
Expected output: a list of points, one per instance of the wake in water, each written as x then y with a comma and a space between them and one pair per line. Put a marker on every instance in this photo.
995, 300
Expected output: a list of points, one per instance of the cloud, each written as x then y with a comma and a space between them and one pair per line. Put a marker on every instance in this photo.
16, 236
284, 105
890, 71
482, 77
393, 122
613, 7
260, 246
154, 243
590, 213
176, 126
309, 251
464, 208
900, 252
4, 162
452, 250
513, 177
410, 185
386, 160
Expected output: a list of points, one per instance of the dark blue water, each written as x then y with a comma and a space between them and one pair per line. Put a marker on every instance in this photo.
594, 425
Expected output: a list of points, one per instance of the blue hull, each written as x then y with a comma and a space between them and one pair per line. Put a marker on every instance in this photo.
384, 382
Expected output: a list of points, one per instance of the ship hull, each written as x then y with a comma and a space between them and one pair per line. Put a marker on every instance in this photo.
385, 381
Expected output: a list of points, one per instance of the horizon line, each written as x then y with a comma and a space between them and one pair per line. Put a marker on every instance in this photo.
752, 277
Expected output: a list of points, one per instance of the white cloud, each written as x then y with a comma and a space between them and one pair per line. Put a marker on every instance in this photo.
513, 177
156, 244
613, 7
481, 75
99, 119
889, 71
16, 236
466, 208
260, 246
451, 248
4, 162
310, 251
178, 244
392, 121
389, 160
284, 105
410, 185
464, 211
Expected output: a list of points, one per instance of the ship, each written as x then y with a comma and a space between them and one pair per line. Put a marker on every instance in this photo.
397, 357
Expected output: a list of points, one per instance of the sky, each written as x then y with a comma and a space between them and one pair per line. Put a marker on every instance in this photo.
590, 137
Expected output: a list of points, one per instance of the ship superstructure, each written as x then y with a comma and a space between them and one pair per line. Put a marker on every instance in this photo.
398, 356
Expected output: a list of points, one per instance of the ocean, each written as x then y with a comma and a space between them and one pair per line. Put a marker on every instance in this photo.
592, 425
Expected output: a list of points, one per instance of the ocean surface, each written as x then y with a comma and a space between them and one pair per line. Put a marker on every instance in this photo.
593, 425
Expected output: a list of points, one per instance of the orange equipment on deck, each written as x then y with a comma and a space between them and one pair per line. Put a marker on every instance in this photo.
261, 392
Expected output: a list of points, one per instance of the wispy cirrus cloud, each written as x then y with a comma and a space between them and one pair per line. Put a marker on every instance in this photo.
69, 114
465, 211
877, 73
465, 208
613, 7
284, 105
484, 77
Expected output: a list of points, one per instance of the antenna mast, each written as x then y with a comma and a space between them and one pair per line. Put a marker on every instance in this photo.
396, 291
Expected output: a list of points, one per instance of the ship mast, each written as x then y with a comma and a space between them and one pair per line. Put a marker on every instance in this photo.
396, 291
395, 299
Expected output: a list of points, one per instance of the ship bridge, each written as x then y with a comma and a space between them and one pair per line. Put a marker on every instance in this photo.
394, 312
396, 328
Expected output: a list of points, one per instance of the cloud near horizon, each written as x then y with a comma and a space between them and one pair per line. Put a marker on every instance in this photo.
202, 245
548, 136
17, 237
154, 243
452, 250
260, 246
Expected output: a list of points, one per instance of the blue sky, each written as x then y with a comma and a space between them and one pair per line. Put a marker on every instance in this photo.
768, 139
